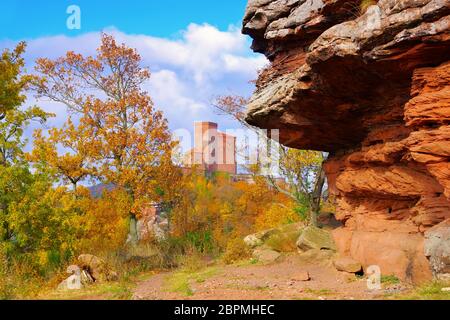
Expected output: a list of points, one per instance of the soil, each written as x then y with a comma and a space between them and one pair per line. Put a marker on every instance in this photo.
276, 281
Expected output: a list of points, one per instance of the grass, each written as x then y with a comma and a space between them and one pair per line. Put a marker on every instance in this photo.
389, 280
120, 290
180, 282
319, 292
246, 263
429, 291
248, 287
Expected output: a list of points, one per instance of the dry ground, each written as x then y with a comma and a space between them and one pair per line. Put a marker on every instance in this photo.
250, 281
256, 282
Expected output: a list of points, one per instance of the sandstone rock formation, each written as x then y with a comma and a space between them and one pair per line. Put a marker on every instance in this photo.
312, 238
97, 268
373, 90
347, 264
437, 249
266, 255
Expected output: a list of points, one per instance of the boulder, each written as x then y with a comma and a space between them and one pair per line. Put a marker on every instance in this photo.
347, 264
266, 255
302, 276
257, 239
437, 249
314, 238
97, 268
316, 256
73, 282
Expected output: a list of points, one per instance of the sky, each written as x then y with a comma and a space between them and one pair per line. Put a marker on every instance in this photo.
194, 49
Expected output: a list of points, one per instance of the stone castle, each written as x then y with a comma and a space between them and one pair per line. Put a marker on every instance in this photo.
213, 151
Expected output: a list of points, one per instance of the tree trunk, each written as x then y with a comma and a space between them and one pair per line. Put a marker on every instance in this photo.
317, 197
133, 235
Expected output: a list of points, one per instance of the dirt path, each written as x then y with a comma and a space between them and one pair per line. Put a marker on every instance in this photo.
256, 282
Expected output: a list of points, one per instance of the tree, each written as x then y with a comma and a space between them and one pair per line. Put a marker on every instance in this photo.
15, 177
12, 82
75, 164
13, 120
301, 169
129, 140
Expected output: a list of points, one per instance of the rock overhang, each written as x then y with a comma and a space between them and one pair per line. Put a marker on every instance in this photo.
372, 89
341, 78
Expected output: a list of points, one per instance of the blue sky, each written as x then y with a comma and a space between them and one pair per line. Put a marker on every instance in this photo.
194, 49
162, 18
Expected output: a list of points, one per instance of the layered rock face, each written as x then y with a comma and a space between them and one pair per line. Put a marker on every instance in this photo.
373, 90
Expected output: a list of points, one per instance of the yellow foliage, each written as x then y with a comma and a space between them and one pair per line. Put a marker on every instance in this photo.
275, 216
236, 250
105, 222
223, 209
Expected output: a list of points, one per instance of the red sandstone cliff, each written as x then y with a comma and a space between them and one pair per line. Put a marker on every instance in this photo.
373, 90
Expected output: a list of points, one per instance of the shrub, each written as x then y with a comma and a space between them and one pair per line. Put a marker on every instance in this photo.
236, 251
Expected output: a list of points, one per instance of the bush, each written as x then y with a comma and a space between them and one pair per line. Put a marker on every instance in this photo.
236, 251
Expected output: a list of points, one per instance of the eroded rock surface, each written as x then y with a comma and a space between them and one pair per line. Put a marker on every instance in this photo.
373, 90
437, 249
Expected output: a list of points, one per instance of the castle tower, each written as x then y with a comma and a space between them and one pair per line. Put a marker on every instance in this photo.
214, 150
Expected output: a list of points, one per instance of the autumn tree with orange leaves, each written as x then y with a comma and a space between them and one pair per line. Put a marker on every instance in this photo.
72, 166
120, 138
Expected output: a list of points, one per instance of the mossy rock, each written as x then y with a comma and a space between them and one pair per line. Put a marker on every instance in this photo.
258, 239
265, 255
273, 236
313, 238
285, 241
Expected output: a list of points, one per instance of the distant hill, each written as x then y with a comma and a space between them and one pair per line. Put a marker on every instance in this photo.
97, 190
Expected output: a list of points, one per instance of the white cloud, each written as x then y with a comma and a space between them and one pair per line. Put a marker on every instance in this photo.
173, 95
187, 71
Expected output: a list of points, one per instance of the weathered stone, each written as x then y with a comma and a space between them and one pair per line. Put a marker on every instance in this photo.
73, 282
347, 264
266, 255
373, 90
316, 256
257, 239
302, 276
437, 249
314, 238
97, 268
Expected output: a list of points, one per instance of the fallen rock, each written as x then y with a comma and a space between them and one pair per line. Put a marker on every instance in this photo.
97, 268
315, 238
302, 276
347, 264
253, 241
73, 282
257, 239
266, 255
316, 256
437, 249
281, 239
